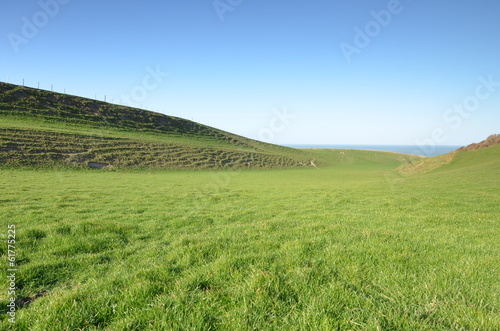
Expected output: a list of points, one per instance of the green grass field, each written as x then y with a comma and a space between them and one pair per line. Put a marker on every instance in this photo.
352, 245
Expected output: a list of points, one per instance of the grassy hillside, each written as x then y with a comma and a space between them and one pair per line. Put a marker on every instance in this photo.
44, 129
335, 248
472, 155
361, 158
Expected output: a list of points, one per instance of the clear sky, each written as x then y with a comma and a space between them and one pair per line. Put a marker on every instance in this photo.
288, 72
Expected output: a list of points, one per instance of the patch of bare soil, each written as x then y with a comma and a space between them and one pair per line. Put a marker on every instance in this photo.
492, 140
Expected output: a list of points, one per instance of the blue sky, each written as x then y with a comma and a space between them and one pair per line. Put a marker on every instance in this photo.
288, 72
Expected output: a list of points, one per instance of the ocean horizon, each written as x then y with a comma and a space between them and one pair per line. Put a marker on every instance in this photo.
404, 149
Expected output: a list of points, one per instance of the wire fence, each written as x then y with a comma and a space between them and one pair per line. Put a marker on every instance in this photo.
97, 97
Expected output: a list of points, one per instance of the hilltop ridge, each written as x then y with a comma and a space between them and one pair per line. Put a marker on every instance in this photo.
40, 128
492, 140
25, 101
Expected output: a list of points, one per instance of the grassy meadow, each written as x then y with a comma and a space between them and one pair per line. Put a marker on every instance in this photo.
352, 245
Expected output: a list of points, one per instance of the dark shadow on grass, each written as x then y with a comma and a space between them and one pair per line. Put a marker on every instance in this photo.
26, 301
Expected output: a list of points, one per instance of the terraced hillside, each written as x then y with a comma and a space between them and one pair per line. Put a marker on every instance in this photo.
41, 128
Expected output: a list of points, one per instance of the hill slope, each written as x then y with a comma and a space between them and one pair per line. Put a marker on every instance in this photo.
470, 155
42, 128
492, 140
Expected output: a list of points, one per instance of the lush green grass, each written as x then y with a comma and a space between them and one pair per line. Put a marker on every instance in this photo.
351, 246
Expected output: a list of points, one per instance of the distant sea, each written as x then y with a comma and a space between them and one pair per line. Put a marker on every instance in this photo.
404, 149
